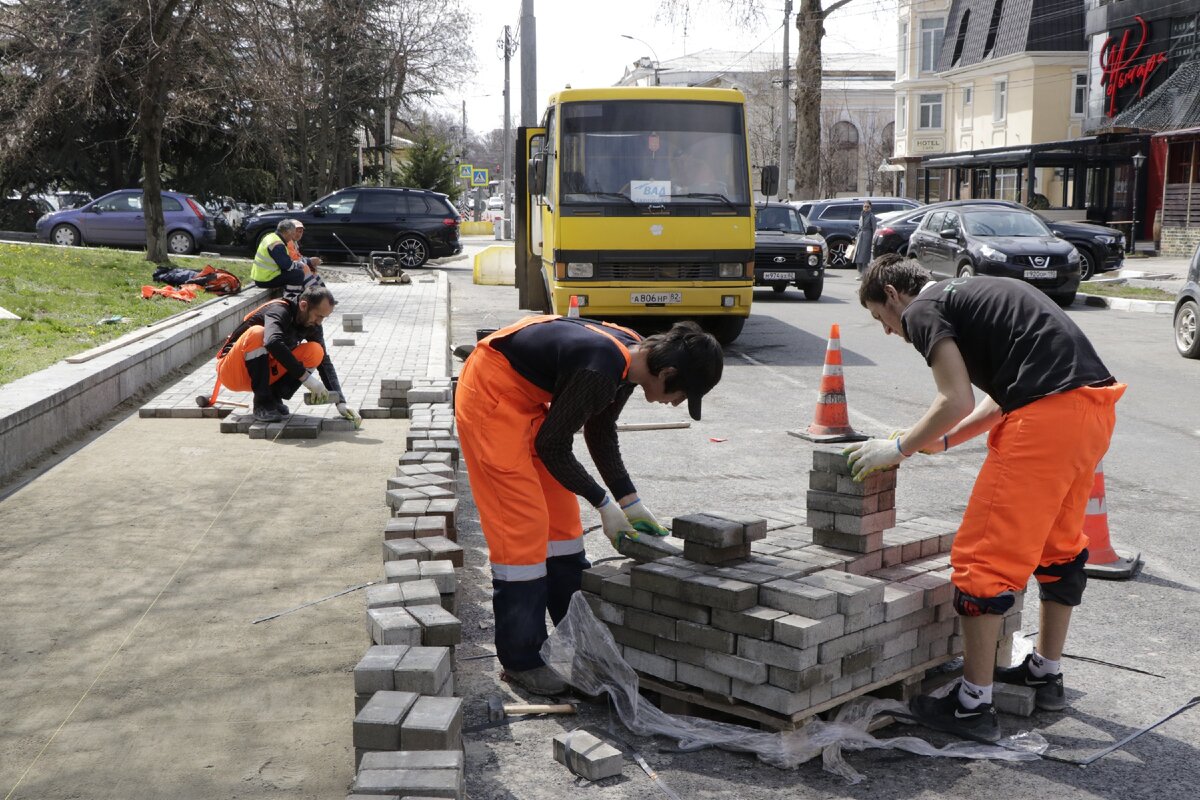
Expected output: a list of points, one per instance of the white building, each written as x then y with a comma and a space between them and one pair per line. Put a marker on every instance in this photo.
921, 94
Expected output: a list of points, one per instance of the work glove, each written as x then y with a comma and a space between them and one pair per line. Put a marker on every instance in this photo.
312, 382
616, 524
349, 414
872, 456
939, 446
642, 520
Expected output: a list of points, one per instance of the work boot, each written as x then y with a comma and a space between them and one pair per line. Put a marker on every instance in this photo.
284, 410
266, 412
1048, 689
949, 715
539, 680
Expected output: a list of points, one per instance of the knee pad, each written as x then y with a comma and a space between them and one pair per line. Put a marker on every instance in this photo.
969, 606
1063, 583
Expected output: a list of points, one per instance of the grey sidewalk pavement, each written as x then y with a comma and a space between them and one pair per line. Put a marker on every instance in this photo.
132, 570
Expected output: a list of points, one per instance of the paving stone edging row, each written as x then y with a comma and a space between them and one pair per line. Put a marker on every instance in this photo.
1126, 304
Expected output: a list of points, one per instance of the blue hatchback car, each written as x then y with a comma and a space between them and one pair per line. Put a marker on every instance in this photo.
117, 218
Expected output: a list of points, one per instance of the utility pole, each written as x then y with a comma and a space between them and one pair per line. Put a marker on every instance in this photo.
785, 117
508, 47
528, 65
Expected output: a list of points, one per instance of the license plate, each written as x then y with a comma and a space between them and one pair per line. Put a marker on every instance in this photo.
655, 298
1035, 274
778, 276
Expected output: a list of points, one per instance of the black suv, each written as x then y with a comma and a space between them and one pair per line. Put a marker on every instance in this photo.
416, 223
1187, 311
784, 253
837, 220
1100, 249
986, 239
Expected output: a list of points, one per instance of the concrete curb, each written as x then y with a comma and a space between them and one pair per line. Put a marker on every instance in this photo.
1126, 304
41, 410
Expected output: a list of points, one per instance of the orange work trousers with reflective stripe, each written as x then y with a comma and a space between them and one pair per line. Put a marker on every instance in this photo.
524, 511
231, 370
1030, 499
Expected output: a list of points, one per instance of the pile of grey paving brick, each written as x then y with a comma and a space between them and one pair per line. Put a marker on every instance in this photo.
791, 623
400, 396
408, 722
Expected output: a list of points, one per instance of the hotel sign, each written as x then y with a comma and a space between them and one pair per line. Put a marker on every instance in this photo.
928, 144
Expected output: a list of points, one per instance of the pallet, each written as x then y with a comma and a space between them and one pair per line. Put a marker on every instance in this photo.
680, 699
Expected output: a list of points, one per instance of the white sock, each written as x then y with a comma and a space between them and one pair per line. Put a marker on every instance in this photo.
972, 696
1040, 666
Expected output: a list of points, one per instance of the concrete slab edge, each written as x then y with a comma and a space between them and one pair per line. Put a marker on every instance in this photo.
1126, 304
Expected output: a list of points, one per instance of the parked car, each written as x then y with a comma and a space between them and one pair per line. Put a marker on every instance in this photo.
1100, 249
1187, 311
21, 213
837, 220
784, 253
416, 223
117, 218
986, 239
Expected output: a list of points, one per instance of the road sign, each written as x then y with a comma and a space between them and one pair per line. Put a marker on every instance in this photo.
465, 170
479, 177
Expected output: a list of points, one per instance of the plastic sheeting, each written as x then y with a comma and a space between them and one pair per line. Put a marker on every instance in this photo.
582, 651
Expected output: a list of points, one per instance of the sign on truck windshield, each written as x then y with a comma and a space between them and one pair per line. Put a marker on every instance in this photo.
630, 152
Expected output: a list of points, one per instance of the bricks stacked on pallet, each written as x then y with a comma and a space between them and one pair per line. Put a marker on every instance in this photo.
798, 629
415, 774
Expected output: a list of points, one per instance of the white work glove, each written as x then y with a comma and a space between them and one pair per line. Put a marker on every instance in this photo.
312, 382
350, 414
941, 445
872, 456
616, 524
642, 520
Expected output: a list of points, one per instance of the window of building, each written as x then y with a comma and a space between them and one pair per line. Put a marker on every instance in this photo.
931, 111
1079, 97
902, 113
1006, 184
932, 31
844, 163
1000, 106
993, 28
961, 39
902, 54
967, 114
931, 182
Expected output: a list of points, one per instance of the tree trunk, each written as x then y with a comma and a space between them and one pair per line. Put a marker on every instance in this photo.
151, 115
810, 29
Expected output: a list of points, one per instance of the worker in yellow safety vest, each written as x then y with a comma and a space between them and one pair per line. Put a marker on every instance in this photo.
273, 264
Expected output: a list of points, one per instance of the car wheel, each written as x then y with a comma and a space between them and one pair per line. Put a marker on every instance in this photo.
1087, 263
66, 235
1187, 342
965, 270
837, 254
413, 251
778, 288
813, 290
725, 329
180, 243
1065, 300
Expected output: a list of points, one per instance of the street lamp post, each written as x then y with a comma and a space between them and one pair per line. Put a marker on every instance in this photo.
656, 61
1138, 161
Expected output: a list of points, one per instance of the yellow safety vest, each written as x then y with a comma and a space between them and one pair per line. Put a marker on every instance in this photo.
264, 267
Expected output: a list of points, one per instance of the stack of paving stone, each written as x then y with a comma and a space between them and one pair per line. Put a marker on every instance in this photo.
393, 399
797, 625
412, 774
352, 322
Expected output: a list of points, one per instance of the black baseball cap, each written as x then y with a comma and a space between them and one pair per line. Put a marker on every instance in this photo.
699, 363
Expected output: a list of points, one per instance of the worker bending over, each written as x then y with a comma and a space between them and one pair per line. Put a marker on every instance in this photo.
279, 347
277, 261
523, 394
1049, 404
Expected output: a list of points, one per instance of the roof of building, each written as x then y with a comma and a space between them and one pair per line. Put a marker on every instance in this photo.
1174, 104
735, 61
1021, 26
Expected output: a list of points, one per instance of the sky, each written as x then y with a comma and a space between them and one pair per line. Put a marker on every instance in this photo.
580, 43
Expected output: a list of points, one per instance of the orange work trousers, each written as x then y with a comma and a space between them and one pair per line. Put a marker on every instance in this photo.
231, 370
1029, 501
525, 513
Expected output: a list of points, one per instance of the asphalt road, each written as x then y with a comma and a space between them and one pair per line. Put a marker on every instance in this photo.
740, 457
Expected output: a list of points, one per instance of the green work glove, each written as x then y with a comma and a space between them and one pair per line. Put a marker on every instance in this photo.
873, 455
642, 520
616, 525
313, 383
350, 414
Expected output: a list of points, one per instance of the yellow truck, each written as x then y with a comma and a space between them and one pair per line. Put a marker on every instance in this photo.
637, 201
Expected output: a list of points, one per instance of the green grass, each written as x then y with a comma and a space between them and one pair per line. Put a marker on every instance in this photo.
1122, 290
61, 294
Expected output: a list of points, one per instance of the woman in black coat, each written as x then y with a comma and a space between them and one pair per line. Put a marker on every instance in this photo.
862, 241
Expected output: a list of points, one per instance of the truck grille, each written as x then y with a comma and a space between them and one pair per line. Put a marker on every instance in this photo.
656, 272
766, 261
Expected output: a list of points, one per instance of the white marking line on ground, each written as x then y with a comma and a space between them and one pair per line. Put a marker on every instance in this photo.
199, 541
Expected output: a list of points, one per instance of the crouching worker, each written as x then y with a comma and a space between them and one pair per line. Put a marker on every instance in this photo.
277, 261
1049, 405
278, 348
523, 394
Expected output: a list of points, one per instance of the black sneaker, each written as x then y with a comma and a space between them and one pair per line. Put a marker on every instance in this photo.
266, 413
947, 714
284, 410
1048, 689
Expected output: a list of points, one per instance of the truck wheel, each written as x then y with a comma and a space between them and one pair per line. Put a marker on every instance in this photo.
778, 288
813, 290
725, 329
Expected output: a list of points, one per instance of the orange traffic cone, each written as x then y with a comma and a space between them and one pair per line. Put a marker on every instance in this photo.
573, 311
831, 421
1103, 561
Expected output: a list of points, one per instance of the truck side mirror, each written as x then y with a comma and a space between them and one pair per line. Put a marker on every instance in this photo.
770, 180
812, 230
537, 174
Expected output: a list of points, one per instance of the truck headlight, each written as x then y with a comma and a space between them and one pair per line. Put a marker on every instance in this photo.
729, 270
814, 260
579, 269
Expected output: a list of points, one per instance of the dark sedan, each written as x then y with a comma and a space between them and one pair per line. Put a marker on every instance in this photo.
990, 240
1100, 249
1187, 311
784, 253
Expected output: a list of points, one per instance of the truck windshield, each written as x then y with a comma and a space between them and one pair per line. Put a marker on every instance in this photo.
778, 218
653, 152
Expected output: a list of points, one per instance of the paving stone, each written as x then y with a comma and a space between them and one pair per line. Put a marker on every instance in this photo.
800, 598
412, 759
660, 579
835, 650
419, 593
756, 621
796, 630
715, 555
872, 617
433, 723
384, 595
649, 622
403, 571
439, 628
442, 574
702, 678
440, 548
938, 589
723, 593
776, 654
373, 673
900, 643
587, 756
393, 626
678, 609
708, 530
822, 481
855, 593
834, 503
400, 528
876, 482
618, 589
651, 664
410, 784
377, 726
705, 636
591, 579
648, 548
679, 652
900, 600
860, 660
635, 640
771, 697
610, 612
854, 542
866, 563
805, 679
423, 670
830, 461
404, 549
736, 667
